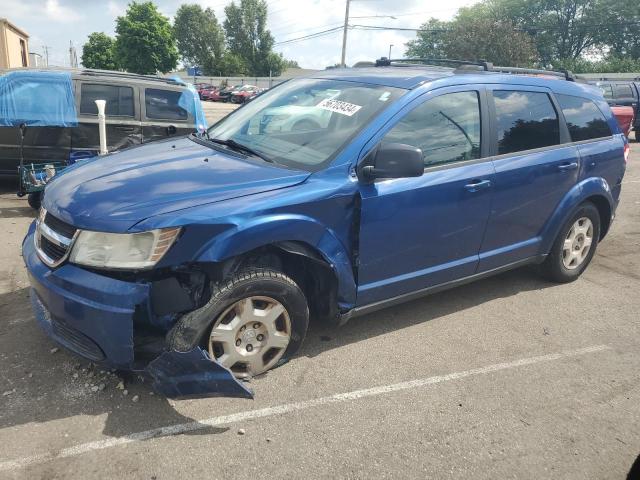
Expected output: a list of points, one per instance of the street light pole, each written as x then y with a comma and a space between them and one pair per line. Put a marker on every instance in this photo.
344, 35
389, 57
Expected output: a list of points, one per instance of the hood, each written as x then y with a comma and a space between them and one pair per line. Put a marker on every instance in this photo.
114, 192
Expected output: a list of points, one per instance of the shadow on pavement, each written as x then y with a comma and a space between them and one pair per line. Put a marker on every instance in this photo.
40, 386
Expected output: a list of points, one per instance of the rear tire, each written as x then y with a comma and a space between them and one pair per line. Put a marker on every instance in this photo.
244, 342
574, 246
35, 200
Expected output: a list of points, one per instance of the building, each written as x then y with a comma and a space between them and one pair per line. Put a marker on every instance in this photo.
14, 46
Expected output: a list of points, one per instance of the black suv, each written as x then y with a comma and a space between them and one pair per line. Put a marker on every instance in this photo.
622, 93
139, 109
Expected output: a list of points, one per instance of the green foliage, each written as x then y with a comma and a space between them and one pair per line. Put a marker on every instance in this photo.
99, 52
291, 64
248, 38
145, 42
469, 37
607, 65
199, 37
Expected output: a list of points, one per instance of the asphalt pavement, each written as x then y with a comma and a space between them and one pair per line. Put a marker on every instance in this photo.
509, 377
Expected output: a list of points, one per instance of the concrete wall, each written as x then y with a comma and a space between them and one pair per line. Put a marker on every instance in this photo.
11, 47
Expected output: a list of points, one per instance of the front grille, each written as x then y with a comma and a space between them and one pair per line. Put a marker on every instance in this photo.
53, 239
59, 226
53, 251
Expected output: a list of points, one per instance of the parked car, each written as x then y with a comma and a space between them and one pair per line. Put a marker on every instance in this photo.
625, 117
207, 93
201, 259
200, 87
139, 109
243, 94
223, 94
622, 93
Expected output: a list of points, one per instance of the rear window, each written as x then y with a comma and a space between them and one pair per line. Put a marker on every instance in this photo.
624, 90
607, 91
525, 120
119, 100
584, 118
164, 104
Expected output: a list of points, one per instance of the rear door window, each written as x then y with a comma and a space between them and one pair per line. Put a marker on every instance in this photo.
584, 119
607, 91
623, 90
164, 104
446, 128
119, 99
525, 121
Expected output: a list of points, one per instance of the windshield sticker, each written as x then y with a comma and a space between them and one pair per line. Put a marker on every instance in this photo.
339, 106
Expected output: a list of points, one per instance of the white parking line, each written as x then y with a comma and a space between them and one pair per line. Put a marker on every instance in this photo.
287, 408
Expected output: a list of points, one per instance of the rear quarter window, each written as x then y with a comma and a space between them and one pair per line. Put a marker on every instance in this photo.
584, 119
164, 104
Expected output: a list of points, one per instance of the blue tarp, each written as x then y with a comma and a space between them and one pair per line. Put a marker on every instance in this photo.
37, 98
190, 101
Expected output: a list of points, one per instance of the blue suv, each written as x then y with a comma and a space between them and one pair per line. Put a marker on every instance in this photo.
201, 259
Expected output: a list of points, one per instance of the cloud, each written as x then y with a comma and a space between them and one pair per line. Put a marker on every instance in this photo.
58, 13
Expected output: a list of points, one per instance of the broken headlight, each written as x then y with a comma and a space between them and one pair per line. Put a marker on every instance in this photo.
122, 250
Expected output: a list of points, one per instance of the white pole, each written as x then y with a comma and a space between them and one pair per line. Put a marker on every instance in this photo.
344, 36
102, 126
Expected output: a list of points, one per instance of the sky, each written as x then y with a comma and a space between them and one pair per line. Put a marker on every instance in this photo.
55, 23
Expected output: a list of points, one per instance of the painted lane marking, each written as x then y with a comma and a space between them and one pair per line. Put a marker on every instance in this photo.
287, 408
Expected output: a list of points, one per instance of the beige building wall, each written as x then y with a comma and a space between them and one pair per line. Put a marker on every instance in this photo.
14, 46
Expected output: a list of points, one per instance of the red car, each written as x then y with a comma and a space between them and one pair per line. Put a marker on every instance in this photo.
208, 93
624, 116
244, 93
200, 87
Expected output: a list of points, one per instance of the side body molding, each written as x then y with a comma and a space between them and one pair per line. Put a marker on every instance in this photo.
269, 229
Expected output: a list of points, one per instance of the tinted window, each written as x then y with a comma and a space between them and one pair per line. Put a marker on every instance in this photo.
584, 118
624, 90
446, 128
119, 100
164, 104
606, 89
525, 120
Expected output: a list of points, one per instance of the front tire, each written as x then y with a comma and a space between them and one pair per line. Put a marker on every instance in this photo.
574, 247
255, 320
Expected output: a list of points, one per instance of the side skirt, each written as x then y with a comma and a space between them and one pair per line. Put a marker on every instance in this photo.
407, 297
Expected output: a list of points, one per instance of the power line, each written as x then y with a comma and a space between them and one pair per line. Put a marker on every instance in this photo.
310, 36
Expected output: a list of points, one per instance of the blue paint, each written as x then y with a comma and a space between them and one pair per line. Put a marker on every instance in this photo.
408, 234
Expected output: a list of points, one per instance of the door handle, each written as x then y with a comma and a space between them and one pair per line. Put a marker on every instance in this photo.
125, 129
565, 167
477, 185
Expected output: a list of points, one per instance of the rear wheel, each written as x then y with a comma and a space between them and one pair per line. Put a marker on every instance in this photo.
574, 247
254, 321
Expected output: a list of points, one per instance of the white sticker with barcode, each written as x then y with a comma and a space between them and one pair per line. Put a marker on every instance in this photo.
339, 106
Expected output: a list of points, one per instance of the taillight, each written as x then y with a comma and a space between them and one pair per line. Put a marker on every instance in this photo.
626, 152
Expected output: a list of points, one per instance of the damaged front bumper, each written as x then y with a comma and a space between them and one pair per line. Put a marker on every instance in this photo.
93, 316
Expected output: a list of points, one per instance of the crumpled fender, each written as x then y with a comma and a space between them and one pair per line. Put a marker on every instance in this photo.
580, 192
193, 374
270, 229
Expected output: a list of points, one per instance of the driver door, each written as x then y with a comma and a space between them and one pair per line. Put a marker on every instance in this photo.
419, 232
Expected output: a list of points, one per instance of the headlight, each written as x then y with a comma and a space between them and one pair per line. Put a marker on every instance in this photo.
122, 250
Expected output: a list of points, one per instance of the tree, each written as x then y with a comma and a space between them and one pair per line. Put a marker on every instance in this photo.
99, 53
291, 64
473, 38
145, 42
248, 38
199, 37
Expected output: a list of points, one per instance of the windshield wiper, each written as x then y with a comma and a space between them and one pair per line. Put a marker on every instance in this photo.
240, 147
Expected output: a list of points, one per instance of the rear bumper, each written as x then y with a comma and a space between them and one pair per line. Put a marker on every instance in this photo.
94, 316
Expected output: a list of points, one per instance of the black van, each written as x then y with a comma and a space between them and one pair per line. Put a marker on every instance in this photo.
139, 109
622, 93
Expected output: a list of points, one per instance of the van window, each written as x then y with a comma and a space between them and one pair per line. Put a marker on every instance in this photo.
525, 120
119, 100
607, 91
624, 90
584, 119
446, 128
164, 104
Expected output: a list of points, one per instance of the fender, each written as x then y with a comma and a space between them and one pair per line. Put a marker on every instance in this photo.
594, 186
269, 229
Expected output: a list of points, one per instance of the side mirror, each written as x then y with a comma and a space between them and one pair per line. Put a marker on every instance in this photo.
395, 160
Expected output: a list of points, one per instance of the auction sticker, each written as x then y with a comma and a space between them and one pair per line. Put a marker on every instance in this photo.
339, 106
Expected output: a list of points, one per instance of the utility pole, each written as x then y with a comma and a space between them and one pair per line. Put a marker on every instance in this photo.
344, 35
73, 56
46, 48
389, 57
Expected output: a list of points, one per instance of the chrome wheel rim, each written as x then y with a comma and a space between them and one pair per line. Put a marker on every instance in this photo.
577, 244
250, 336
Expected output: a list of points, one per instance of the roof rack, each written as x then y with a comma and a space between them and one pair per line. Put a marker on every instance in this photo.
111, 73
467, 65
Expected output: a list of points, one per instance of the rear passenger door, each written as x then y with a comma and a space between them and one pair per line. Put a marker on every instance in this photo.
122, 116
164, 114
534, 171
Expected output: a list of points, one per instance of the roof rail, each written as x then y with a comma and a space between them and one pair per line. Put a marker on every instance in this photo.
410, 62
112, 73
480, 65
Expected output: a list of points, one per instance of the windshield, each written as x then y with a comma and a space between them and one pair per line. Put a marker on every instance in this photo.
304, 123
